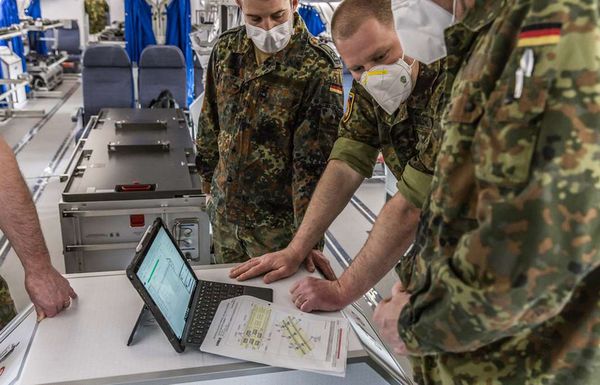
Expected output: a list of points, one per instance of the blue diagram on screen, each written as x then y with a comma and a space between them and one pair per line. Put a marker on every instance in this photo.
168, 280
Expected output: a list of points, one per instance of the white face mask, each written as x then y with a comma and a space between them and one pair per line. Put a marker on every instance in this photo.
273, 40
420, 25
389, 85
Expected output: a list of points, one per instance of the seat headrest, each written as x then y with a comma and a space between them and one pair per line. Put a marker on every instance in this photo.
162, 56
105, 56
70, 24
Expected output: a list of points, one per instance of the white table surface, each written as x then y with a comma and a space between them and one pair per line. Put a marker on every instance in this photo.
88, 341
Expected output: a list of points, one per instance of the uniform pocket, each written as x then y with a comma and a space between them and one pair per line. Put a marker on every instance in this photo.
507, 137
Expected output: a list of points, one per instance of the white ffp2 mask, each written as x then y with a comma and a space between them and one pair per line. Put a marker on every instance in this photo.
390, 85
420, 25
273, 40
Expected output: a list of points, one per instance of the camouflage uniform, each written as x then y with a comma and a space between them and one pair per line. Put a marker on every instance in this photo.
264, 136
96, 11
505, 288
7, 306
404, 138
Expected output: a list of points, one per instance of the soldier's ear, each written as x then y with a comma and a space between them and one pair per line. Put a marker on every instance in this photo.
294, 5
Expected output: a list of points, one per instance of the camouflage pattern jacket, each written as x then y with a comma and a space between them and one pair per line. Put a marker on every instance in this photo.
506, 287
405, 138
266, 130
96, 11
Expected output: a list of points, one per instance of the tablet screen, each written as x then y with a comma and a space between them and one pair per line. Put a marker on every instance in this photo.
168, 280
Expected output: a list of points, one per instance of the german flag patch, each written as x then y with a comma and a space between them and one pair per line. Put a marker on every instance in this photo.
337, 89
539, 34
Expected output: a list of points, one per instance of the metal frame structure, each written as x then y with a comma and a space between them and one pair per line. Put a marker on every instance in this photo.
20, 30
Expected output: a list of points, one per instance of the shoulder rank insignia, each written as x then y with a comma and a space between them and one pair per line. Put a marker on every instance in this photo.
539, 34
327, 50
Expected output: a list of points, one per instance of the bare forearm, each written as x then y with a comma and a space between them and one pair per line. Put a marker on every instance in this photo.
18, 217
392, 234
335, 188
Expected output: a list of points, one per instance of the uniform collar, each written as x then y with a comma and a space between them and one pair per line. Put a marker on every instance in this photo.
400, 115
482, 13
419, 97
246, 47
291, 56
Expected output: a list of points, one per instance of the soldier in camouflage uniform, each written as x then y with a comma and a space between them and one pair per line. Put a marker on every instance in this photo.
505, 289
404, 137
267, 126
96, 11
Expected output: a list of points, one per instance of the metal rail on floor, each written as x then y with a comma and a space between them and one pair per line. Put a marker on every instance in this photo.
363, 209
39, 125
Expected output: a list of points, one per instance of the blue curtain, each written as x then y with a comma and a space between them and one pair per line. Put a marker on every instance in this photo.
138, 28
9, 14
179, 27
312, 19
35, 38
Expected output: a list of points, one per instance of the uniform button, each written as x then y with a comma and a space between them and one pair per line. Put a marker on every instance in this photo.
452, 41
229, 179
470, 107
508, 99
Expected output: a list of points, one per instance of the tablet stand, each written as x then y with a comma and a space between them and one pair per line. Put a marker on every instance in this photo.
144, 319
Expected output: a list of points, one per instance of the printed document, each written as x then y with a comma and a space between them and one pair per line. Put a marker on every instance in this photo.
251, 329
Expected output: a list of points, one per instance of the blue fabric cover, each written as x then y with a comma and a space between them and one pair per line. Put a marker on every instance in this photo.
107, 79
179, 27
138, 28
35, 38
9, 15
311, 17
162, 67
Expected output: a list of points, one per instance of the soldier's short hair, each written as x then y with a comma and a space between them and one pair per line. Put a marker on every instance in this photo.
351, 14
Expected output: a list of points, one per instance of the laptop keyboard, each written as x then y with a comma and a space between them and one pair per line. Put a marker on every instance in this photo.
210, 296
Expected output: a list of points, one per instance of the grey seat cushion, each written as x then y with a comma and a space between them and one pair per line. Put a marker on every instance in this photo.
162, 67
107, 79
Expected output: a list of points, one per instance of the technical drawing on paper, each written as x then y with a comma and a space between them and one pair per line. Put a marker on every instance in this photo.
290, 328
253, 334
252, 329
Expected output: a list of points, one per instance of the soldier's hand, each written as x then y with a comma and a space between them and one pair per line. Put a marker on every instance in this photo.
275, 266
386, 318
310, 294
316, 259
49, 291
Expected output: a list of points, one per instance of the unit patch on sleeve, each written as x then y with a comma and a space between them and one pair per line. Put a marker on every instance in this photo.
349, 107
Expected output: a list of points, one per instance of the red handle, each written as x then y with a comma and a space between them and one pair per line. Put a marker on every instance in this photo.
135, 187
